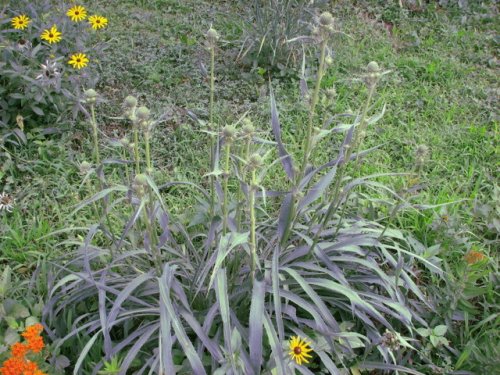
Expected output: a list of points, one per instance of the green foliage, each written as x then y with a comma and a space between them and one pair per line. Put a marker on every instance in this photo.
38, 86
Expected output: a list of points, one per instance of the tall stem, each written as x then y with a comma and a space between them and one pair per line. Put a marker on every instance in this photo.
240, 191
253, 238
332, 208
312, 110
225, 203
136, 150
97, 156
211, 119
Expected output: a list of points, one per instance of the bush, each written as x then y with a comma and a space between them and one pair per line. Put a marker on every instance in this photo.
238, 286
44, 55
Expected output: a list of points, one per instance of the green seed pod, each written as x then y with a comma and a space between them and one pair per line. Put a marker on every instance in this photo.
143, 113
229, 132
125, 142
373, 67
130, 102
326, 19
248, 129
85, 167
328, 60
255, 161
90, 96
141, 179
212, 36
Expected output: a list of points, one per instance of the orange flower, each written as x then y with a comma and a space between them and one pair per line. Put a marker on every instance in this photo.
13, 366
35, 344
32, 331
474, 256
19, 350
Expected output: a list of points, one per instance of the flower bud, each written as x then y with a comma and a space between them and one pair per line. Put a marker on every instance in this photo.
326, 19
85, 167
229, 132
130, 102
212, 36
125, 142
248, 129
255, 161
328, 60
141, 179
143, 113
373, 67
90, 96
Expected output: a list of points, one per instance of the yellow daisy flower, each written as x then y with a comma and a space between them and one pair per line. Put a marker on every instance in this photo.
77, 13
51, 35
98, 22
299, 350
20, 22
78, 60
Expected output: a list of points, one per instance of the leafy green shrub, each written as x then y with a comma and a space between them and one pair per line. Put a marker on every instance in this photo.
44, 55
230, 287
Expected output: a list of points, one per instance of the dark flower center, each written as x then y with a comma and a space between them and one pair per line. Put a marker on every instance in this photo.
77, 13
297, 350
78, 60
97, 21
51, 35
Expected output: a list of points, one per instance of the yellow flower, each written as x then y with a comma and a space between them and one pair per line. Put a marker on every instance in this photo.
20, 22
51, 35
299, 350
78, 60
98, 22
77, 13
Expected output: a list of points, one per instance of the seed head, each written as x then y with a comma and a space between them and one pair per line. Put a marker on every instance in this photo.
326, 19
141, 179
143, 113
125, 142
248, 129
130, 102
229, 132
90, 96
85, 167
373, 67
212, 36
255, 161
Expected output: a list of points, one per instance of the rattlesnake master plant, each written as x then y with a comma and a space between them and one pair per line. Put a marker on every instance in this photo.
223, 292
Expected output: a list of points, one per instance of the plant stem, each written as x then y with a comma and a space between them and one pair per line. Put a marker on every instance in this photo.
253, 239
97, 156
312, 111
243, 177
211, 119
136, 150
335, 201
225, 203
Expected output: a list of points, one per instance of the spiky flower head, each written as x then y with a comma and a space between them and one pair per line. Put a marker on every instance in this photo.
125, 142
390, 340
326, 19
139, 184
50, 73
255, 161
248, 129
90, 96
143, 113
373, 67
6, 202
229, 133
130, 102
374, 74
299, 350
212, 36
85, 167
23, 45
421, 156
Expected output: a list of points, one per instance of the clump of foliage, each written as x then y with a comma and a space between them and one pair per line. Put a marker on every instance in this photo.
47, 56
253, 281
